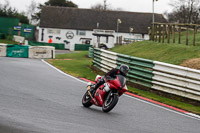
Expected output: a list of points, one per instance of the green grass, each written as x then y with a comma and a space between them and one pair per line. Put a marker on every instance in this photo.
7, 41
169, 53
80, 66
183, 38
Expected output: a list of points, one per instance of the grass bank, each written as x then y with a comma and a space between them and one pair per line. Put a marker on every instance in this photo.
7, 41
79, 65
183, 38
168, 53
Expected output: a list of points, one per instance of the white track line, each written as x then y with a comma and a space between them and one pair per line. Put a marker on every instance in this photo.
63, 72
190, 115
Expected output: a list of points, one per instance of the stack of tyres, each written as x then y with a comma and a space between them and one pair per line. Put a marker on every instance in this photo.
18, 51
3, 49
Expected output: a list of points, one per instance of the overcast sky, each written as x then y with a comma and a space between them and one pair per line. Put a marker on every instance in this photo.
127, 5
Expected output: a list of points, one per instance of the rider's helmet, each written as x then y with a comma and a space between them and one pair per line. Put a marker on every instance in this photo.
124, 69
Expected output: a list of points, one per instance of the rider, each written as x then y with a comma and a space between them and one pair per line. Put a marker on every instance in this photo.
123, 70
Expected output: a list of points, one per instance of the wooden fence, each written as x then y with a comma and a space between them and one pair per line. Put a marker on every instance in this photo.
166, 32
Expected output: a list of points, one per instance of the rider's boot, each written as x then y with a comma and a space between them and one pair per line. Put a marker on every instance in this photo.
92, 90
94, 87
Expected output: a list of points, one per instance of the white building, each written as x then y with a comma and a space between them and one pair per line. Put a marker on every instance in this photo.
78, 26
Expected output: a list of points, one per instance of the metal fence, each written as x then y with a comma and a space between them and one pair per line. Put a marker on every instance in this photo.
160, 76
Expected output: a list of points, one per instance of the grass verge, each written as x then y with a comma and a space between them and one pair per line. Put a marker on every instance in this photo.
169, 53
7, 41
80, 66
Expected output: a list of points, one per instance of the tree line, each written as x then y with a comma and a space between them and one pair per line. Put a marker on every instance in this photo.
7, 11
183, 11
32, 15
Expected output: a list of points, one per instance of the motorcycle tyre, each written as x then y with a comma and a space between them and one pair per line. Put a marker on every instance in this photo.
112, 104
86, 102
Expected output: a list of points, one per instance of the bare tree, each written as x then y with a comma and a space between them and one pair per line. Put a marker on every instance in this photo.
184, 11
105, 6
31, 10
97, 6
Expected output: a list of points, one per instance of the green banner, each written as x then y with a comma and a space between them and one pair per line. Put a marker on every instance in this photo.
17, 51
82, 47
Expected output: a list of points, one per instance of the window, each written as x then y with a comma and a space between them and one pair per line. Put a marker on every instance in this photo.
81, 32
53, 31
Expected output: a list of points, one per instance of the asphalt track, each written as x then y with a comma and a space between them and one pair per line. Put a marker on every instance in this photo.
35, 98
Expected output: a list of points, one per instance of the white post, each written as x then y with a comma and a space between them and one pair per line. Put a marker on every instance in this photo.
153, 18
117, 30
118, 22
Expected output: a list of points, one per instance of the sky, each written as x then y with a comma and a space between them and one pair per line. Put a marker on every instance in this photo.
127, 5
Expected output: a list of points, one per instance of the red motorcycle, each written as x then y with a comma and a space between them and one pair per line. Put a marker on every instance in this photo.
107, 95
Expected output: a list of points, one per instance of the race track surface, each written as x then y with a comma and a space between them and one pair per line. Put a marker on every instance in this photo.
35, 98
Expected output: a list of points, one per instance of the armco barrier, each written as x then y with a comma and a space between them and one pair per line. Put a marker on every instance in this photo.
140, 69
3, 49
91, 52
41, 52
160, 76
177, 80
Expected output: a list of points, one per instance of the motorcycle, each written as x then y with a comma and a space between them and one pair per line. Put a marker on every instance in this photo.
107, 95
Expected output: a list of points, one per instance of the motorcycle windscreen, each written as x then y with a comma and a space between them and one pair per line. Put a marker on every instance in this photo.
122, 80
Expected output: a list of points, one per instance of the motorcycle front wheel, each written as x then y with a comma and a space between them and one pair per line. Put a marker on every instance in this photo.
86, 100
110, 102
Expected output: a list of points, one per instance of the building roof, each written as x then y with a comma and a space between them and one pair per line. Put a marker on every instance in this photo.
87, 19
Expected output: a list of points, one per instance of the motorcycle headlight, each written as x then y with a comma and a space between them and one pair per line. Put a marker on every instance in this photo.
89, 83
106, 87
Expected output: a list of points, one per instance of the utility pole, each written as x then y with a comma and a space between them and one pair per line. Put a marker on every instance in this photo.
153, 19
105, 5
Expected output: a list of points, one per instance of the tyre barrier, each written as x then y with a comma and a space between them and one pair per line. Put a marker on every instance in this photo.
26, 51
172, 79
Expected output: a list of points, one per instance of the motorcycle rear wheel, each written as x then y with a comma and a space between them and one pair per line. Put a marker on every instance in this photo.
110, 102
86, 100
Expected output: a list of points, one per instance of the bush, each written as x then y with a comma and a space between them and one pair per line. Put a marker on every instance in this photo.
2, 36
